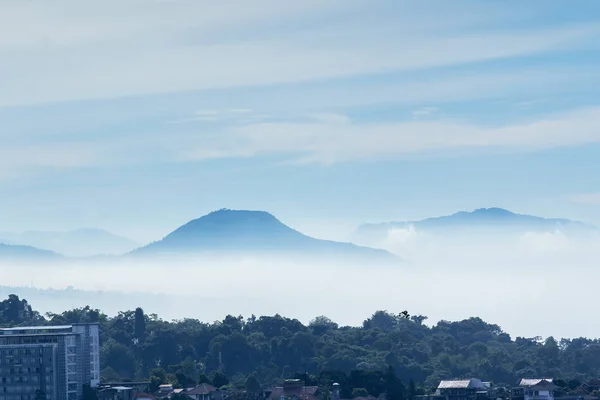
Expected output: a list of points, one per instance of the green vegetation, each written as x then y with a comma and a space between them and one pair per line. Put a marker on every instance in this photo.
378, 357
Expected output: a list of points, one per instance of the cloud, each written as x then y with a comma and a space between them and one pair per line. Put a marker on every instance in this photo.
331, 118
325, 139
587, 198
424, 112
326, 142
546, 242
77, 51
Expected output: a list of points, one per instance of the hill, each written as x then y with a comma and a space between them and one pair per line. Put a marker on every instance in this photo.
75, 243
480, 221
25, 253
253, 232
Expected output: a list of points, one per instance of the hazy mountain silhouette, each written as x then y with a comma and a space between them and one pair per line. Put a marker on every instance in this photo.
76, 243
252, 232
25, 253
483, 220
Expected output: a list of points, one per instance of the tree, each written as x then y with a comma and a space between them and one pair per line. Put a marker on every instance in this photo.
412, 389
252, 385
394, 388
359, 392
118, 357
140, 323
321, 325
14, 311
203, 379
40, 395
89, 393
272, 348
219, 379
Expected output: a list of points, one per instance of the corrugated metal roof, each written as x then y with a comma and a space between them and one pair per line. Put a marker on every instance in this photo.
534, 382
460, 384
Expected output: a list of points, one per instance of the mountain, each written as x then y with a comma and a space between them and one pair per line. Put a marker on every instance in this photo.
229, 232
480, 221
76, 243
25, 253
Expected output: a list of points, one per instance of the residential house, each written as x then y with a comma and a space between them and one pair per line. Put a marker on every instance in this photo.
538, 389
462, 389
164, 391
116, 393
292, 389
202, 392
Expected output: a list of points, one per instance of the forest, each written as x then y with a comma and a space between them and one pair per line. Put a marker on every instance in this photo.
264, 350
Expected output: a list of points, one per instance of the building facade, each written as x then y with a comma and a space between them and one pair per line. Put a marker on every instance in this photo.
50, 362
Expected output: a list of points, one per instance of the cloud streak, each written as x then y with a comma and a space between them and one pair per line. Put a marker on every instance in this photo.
325, 138
87, 60
331, 142
587, 198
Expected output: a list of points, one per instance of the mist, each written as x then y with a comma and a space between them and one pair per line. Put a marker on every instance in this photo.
523, 283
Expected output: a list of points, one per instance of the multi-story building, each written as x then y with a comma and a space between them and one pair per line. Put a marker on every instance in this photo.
48, 362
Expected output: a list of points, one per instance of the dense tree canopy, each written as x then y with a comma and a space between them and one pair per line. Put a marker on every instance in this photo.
377, 357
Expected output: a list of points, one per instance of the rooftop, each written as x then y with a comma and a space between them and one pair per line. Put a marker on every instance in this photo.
202, 389
37, 328
527, 382
461, 384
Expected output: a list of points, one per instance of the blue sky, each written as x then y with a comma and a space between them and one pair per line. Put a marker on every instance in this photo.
136, 116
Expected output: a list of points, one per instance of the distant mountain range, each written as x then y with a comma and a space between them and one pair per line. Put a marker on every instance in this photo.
76, 243
16, 252
254, 232
239, 232
481, 221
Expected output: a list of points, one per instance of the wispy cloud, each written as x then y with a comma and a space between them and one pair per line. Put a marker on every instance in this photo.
587, 198
424, 112
331, 118
183, 46
324, 139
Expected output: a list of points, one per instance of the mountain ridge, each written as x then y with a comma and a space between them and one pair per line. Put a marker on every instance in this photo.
238, 231
492, 220
82, 242
20, 252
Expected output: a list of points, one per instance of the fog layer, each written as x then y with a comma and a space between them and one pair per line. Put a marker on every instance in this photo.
524, 283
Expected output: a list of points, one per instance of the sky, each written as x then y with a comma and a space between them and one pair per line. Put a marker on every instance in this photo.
136, 116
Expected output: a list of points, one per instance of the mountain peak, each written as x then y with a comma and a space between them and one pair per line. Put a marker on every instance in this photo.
233, 223
226, 215
493, 211
246, 232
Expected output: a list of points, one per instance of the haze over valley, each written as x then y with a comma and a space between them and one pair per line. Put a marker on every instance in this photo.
245, 262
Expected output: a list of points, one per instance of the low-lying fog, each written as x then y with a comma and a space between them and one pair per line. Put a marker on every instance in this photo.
534, 284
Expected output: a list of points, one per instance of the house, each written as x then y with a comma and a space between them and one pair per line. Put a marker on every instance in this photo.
116, 393
592, 385
462, 389
202, 392
164, 391
538, 389
292, 389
